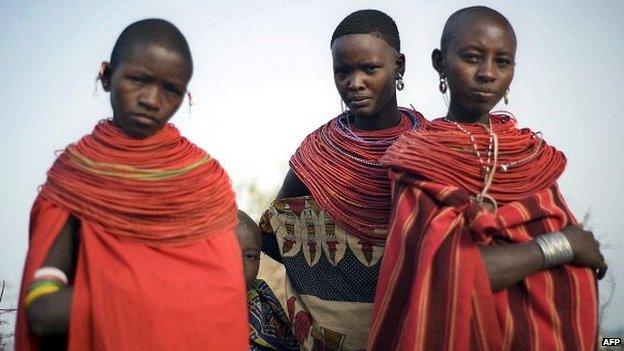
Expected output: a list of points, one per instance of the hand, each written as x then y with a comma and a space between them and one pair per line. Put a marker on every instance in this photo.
586, 249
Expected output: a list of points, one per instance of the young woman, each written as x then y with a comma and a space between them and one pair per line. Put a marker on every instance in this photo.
132, 242
483, 253
329, 222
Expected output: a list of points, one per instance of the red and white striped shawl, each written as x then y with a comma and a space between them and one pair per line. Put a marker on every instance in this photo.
433, 291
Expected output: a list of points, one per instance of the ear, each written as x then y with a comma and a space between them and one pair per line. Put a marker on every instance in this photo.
400, 65
437, 60
105, 74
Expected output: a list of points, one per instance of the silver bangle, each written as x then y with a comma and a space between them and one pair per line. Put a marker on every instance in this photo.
556, 249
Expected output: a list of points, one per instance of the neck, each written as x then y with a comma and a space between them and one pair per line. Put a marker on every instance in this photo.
388, 117
461, 115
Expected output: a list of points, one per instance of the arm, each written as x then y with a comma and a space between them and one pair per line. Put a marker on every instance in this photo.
292, 186
49, 314
269, 246
507, 264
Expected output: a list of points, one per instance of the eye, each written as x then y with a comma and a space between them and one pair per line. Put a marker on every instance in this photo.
503, 62
171, 89
470, 57
252, 257
139, 80
340, 72
371, 68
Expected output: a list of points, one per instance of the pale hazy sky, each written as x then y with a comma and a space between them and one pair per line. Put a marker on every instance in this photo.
263, 81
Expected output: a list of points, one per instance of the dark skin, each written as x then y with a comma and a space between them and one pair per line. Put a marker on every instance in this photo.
366, 69
146, 89
248, 234
479, 67
365, 72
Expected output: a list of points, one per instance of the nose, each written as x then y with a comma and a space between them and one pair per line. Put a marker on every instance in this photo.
356, 81
486, 72
150, 98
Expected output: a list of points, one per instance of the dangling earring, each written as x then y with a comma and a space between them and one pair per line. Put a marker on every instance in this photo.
443, 84
399, 83
506, 97
99, 77
190, 100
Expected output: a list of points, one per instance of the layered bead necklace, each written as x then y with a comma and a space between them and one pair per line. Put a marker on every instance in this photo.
499, 160
340, 166
491, 164
488, 166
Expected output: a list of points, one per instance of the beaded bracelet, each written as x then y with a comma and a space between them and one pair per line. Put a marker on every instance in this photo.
556, 249
46, 280
50, 273
39, 289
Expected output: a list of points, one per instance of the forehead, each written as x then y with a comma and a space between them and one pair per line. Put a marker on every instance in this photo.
158, 59
484, 32
248, 236
358, 47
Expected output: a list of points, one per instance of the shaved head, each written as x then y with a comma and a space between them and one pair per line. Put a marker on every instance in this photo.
247, 227
468, 16
147, 32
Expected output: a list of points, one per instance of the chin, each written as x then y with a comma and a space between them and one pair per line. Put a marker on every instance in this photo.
362, 113
138, 133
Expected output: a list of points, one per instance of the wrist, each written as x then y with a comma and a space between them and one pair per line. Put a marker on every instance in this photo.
556, 249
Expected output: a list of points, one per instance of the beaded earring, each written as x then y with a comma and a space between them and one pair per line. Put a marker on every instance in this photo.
443, 84
190, 101
399, 83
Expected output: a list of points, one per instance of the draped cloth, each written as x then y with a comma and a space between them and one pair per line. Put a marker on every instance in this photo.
158, 265
433, 291
269, 325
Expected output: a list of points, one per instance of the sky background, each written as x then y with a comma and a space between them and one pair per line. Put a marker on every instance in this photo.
263, 81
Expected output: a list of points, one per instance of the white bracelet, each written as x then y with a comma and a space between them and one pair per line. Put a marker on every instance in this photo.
50, 273
556, 249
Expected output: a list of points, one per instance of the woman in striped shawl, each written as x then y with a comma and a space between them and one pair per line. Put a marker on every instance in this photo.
482, 253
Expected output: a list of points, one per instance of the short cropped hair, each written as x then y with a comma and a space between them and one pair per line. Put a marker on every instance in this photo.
372, 22
152, 31
454, 22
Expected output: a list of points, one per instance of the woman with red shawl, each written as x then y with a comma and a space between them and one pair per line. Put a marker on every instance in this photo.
329, 222
132, 243
483, 252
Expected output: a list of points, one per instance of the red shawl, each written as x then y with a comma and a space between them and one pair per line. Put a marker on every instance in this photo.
433, 291
158, 266
340, 166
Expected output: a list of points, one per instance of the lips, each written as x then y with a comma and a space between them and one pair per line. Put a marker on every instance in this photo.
484, 93
358, 101
144, 119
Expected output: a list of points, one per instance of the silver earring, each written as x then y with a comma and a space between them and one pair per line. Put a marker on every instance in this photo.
443, 84
399, 83
342, 106
506, 97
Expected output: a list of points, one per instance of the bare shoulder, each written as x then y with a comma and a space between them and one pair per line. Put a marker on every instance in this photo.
292, 186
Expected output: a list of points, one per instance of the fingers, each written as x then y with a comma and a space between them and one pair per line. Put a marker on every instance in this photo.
602, 271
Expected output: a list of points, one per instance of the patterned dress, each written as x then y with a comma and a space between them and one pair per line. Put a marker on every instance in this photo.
331, 275
269, 326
